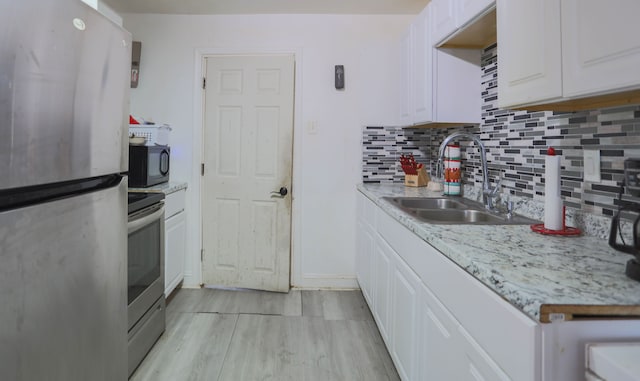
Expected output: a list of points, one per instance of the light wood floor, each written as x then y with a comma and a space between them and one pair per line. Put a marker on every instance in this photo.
254, 335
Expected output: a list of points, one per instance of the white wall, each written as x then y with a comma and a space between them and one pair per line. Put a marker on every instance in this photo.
327, 164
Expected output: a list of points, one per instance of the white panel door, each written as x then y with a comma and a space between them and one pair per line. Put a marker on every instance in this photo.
529, 51
600, 45
247, 146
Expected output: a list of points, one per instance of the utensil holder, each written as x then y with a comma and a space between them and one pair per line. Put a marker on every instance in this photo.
419, 180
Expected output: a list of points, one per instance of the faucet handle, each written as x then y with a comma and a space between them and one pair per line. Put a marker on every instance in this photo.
439, 168
492, 192
509, 209
496, 188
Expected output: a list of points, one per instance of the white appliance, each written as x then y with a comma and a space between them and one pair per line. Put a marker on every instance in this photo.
154, 133
613, 362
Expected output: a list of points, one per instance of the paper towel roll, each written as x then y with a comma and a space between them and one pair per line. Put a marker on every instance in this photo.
552, 199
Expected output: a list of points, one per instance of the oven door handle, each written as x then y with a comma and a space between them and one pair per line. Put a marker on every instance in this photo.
144, 220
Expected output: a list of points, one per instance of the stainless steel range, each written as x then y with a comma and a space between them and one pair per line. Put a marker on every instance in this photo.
145, 284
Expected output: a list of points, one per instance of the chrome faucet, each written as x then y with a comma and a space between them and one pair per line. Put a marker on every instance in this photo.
488, 193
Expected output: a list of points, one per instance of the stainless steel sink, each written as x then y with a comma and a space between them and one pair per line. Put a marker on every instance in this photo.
428, 203
468, 216
444, 210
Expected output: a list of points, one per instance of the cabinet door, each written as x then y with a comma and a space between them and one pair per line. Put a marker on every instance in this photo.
467, 10
439, 349
444, 19
406, 80
600, 46
422, 69
174, 251
381, 292
476, 363
529, 51
405, 304
364, 261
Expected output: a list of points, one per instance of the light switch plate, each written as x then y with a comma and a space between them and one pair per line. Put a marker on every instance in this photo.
592, 166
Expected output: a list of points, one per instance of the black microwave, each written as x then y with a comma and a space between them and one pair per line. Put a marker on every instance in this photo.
148, 165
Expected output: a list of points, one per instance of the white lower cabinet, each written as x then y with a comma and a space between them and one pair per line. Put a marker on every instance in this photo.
175, 238
425, 339
476, 364
437, 340
405, 297
365, 248
382, 257
439, 323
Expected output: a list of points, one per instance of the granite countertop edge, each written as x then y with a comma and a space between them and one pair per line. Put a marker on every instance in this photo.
525, 268
166, 188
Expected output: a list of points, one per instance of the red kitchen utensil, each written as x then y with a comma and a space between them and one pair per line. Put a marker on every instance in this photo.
409, 165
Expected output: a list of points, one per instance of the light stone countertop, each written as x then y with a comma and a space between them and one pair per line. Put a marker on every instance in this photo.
166, 188
525, 268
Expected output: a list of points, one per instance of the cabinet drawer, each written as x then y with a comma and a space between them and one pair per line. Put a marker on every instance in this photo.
174, 203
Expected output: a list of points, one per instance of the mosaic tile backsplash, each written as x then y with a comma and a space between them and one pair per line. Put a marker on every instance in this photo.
516, 142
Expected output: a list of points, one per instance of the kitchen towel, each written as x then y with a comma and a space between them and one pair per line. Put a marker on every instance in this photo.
552, 198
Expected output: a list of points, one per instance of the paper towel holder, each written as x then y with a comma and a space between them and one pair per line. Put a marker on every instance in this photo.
565, 231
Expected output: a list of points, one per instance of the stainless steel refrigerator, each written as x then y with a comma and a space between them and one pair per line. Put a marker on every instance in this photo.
64, 78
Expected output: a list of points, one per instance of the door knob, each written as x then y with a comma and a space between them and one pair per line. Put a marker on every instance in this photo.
282, 192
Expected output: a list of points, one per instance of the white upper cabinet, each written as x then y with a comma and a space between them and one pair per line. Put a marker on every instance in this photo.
451, 15
92, 3
555, 51
406, 75
440, 86
422, 69
444, 19
529, 49
601, 46
467, 10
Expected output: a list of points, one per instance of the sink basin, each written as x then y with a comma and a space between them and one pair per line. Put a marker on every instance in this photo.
427, 203
468, 216
444, 210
